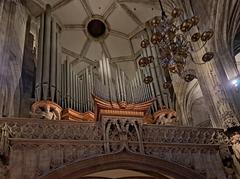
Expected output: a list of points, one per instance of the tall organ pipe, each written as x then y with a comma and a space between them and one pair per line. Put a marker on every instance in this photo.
81, 93
46, 56
120, 83
53, 60
38, 90
59, 62
101, 71
87, 89
67, 87
118, 87
63, 75
155, 83
109, 79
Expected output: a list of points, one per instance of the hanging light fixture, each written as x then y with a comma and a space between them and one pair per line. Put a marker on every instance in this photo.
175, 43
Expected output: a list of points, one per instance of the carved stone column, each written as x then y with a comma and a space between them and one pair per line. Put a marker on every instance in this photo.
13, 19
211, 75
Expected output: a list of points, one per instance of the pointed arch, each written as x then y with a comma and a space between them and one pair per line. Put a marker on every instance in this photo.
124, 160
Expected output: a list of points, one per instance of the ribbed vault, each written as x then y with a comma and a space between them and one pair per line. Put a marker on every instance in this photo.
124, 19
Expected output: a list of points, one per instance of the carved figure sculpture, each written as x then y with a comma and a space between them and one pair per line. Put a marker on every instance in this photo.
46, 110
165, 117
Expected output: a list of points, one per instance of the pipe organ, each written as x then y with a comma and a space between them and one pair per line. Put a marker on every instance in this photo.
63, 88
48, 81
108, 82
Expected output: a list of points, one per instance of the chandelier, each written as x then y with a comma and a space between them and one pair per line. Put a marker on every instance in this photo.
176, 43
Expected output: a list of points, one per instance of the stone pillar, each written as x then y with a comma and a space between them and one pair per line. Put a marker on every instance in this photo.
211, 75
13, 19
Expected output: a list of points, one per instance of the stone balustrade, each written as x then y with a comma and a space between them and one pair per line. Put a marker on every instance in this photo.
42, 146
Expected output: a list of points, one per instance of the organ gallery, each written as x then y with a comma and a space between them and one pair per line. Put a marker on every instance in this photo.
119, 89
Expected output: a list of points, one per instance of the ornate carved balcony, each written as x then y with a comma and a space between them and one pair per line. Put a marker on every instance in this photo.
52, 144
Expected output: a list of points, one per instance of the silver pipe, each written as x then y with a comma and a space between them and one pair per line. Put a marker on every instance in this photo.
118, 87
131, 88
158, 74
53, 60
68, 76
46, 55
63, 74
109, 79
120, 83
91, 91
161, 75
81, 93
38, 86
147, 72
137, 78
77, 94
102, 72
140, 76
105, 72
59, 62
84, 91
87, 89
74, 90
155, 83
124, 85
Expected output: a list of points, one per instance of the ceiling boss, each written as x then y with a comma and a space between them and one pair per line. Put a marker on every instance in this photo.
175, 43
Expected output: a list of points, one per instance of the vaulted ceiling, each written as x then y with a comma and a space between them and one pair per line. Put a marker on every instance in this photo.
124, 19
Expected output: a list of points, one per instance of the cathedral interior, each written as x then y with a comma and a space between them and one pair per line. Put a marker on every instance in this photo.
123, 89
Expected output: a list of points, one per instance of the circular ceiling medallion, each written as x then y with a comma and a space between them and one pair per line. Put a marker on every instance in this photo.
96, 28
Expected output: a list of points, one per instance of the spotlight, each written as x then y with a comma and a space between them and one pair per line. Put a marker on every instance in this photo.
235, 82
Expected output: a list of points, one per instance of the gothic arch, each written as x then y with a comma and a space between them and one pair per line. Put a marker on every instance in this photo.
124, 160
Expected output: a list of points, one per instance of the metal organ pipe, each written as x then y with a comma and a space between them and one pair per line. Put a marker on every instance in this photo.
76, 93
146, 71
120, 84
104, 70
81, 93
123, 84
87, 89
158, 72
101, 71
91, 87
117, 86
46, 56
59, 62
67, 87
63, 75
38, 87
53, 60
109, 79
165, 92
